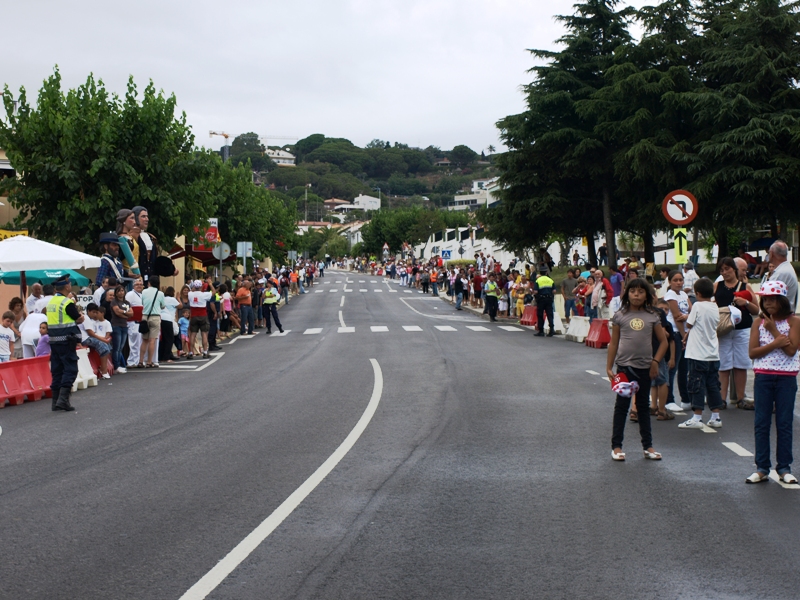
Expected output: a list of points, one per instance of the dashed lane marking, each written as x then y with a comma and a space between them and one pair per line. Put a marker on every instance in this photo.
342, 302
312, 331
346, 330
510, 328
392, 291
378, 328
318, 291
361, 281
412, 327
737, 449
789, 486
408, 291
707, 429
377, 291
333, 290
478, 328
590, 372
445, 328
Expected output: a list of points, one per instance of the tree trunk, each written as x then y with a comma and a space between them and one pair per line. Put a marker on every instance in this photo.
773, 227
784, 230
722, 242
649, 246
695, 242
608, 225
592, 251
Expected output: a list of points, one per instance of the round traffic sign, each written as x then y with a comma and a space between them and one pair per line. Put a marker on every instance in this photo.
679, 207
221, 251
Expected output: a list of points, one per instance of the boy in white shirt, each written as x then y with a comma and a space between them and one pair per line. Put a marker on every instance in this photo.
98, 335
702, 353
7, 337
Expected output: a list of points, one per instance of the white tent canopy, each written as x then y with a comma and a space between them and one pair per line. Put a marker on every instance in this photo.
22, 253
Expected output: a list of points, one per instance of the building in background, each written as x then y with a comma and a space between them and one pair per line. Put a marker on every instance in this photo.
282, 158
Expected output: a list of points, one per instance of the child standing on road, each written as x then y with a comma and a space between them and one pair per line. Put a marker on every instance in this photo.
774, 340
7, 337
631, 350
183, 325
702, 355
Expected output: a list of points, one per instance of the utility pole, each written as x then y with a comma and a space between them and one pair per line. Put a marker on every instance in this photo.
306, 201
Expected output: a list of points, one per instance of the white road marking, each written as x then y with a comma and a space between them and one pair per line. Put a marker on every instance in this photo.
338, 281
707, 429
478, 328
393, 291
375, 282
312, 331
170, 366
445, 328
342, 302
607, 379
408, 291
285, 331
377, 290
789, 486
412, 327
378, 328
211, 362
363, 290
346, 329
361, 281
737, 449
209, 582
341, 320
334, 290
510, 328
590, 372
318, 291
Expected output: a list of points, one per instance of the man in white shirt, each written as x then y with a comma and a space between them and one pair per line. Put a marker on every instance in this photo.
48, 291
134, 298
36, 295
100, 292
784, 271
690, 277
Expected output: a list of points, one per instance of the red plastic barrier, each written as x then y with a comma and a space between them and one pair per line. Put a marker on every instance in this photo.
529, 316
599, 336
37, 370
94, 359
14, 384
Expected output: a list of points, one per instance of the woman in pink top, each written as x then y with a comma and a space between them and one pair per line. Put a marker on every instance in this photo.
774, 340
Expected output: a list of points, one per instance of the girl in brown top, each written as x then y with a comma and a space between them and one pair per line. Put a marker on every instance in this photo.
631, 349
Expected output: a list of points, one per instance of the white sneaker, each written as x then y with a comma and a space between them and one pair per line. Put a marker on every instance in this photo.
105, 376
686, 406
715, 423
672, 407
691, 424
122, 370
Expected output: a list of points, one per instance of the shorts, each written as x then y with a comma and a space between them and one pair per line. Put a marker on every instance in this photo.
199, 324
663, 374
734, 350
154, 328
5, 358
101, 347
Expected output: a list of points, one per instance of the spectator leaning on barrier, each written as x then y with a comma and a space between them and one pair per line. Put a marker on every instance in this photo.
62, 324
784, 271
98, 335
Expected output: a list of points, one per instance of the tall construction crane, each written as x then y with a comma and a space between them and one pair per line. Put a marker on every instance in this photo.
264, 139
226, 150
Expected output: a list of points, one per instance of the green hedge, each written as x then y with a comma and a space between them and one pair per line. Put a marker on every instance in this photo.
459, 262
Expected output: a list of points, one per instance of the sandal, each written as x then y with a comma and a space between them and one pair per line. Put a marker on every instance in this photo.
665, 416
617, 455
788, 478
757, 478
634, 417
140, 366
652, 455
653, 410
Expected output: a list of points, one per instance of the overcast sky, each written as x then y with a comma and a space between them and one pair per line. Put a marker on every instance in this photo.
421, 72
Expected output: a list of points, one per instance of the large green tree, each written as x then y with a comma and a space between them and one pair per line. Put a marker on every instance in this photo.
83, 154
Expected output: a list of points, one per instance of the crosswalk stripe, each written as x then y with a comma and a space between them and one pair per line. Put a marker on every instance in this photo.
445, 328
334, 290
393, 291
412, 327
347, 330
312, 331
285, 331
363, 290
378, 328
736, 448
478, 328
510, 328
377, 290
361, 281
408, 291
318, 291
789, 486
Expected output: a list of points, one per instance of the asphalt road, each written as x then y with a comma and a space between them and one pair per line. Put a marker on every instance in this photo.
485, 472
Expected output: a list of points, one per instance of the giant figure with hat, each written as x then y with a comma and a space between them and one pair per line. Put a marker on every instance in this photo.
150, 263
110, 265
63, 319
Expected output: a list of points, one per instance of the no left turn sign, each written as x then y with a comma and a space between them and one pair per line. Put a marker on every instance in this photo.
679, 207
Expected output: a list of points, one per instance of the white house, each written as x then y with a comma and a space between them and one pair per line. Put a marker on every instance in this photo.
367, 202
282, 158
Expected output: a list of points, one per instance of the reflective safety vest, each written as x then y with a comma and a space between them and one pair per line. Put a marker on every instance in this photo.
60, 326
545, 287
491, 289
271, 296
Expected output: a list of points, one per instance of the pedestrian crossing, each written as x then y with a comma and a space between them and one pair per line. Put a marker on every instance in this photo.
414, 328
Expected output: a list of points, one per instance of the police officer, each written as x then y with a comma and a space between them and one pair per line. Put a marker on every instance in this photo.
543, 289
492, 296
62, 327
271, 298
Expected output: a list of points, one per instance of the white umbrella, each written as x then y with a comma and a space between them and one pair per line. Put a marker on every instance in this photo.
22, 253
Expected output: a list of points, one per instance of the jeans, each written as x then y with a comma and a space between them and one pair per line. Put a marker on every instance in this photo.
642, 377
248, 319
271, 312
681, 368
459, 300
284, 295
569, 305
435, 288
778, 392
300, 285
590, 312
119, 335
703, 381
